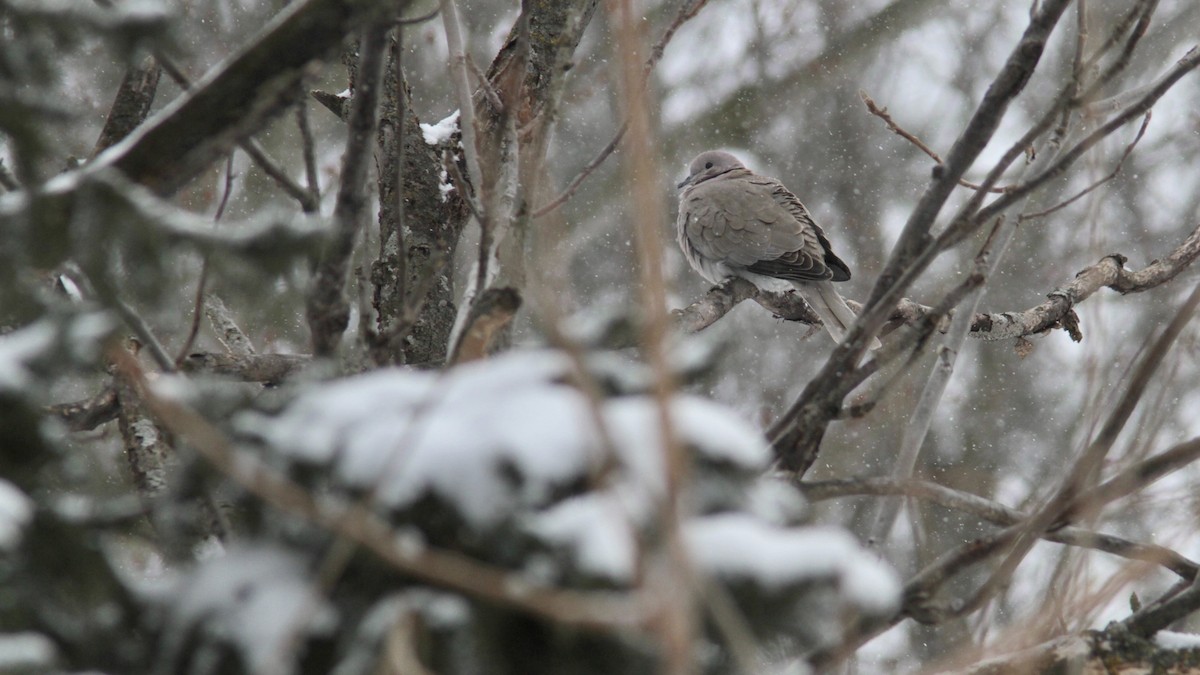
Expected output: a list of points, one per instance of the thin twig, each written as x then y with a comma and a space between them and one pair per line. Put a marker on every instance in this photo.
460, 183
583, 175
915, 431
1139, 475
1184, 66
1145, 9
395, 174
198, 303
428, 16
1064, 505
281, 178
995, 512
883, 114
142, 330
689, 9
229, 334
922, 586
462, 92
87, 414
1081, 35
1119, 29
247, 366
971, 216
666, 567
485, 84
1116, 170
328, 310
308, 145
1154, 618
987, 261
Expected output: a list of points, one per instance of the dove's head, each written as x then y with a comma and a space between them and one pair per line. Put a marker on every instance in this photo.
709, 165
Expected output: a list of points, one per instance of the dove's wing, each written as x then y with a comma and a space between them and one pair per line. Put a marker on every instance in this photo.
756, 224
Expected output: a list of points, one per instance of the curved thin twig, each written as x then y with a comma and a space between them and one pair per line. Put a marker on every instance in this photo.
995, 512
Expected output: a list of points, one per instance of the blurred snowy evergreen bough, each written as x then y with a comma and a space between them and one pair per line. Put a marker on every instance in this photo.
503, 462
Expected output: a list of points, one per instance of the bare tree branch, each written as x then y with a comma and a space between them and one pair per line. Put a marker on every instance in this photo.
995, 512
229, 334
796, 436
1184, 66
144, 333
230, 104
1154, 618
1055, 312
419, 225
87, 414
131, 105
1063, 506
1084, 192
462, 91
308, 146
265, 368
494, 309
882, 113
922, 587
146, 450
202, 282
327, 308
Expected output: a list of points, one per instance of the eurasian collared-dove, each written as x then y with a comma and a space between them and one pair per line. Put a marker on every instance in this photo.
735, 223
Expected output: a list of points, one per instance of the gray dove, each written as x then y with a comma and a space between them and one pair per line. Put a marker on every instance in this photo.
735, 223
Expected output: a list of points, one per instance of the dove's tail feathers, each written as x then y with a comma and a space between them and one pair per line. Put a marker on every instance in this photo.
831, 307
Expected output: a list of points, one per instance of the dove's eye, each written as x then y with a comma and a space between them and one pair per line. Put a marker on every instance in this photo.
708, 165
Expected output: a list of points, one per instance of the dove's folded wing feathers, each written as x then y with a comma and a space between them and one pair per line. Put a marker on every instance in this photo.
756, 224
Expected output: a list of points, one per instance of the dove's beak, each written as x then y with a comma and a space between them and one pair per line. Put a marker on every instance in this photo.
684, 183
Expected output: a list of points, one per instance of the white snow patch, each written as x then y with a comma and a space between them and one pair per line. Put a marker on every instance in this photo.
593, 527
776, 502
436, 134
70, 288
16, 510
1171, 640
719, 432
318, 425
446, 611
410, 542
28, 650
21, 346
87, 332
210, 547
532, 432
255, 598
172, 386
445, 187
143, 11
494, 436
345, 93
739, 545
